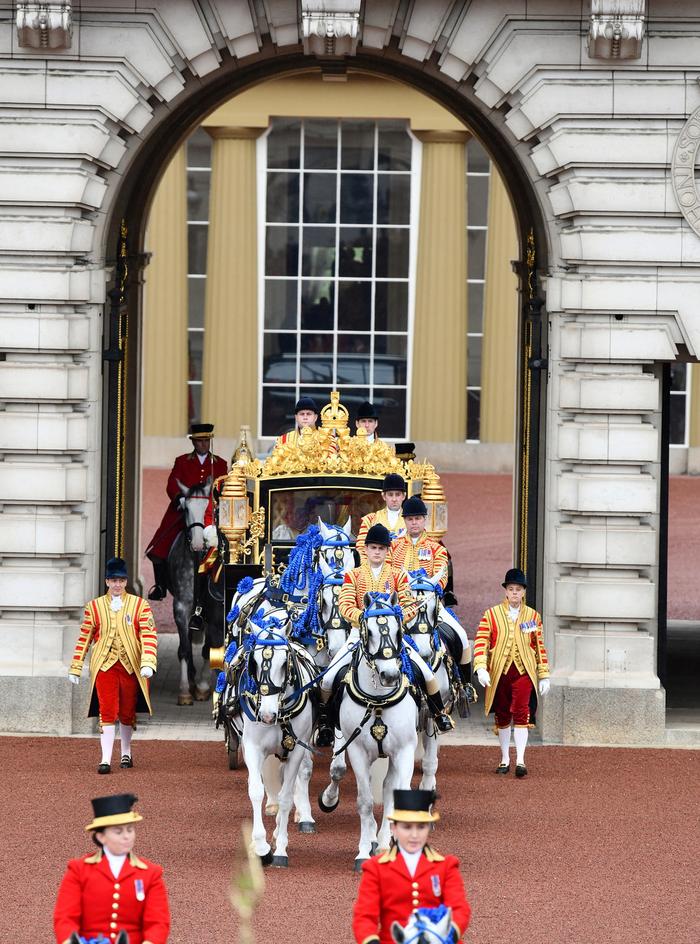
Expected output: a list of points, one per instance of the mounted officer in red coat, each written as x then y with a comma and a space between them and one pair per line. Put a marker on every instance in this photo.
193, 468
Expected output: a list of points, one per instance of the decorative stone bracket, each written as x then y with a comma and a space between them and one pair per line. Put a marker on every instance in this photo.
330, 28
616, 29
44, 25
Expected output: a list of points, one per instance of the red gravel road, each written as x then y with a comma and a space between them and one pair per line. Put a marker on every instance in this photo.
609, 853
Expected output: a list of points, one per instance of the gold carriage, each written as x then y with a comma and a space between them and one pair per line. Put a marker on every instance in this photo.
262, 506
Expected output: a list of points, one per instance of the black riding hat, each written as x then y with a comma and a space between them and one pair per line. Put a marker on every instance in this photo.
114, 811
378, 534
414, 506
393, 483
414, 806
306, 403
115, 568
201, 430
514, 575
367, 411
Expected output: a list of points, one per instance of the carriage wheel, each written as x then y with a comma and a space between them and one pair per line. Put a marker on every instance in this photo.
233, 750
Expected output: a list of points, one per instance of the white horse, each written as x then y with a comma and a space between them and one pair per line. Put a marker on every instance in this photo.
378, 718
277, 720
425, 926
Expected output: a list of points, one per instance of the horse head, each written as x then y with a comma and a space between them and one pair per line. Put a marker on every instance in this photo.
268, 662
195, 508
423, 626
336, 548
335, 625
425, 926
381, 636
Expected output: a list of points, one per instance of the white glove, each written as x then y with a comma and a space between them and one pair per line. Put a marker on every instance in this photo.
544, 686
146, 672
484, 677
181, 503
75, 679
211, 536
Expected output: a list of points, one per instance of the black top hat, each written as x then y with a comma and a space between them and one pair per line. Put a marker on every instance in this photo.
201, 430
367, 411
306, 403
514, 575
115, 568
114, 811
414, 806
414, 506
393, 483
378, 534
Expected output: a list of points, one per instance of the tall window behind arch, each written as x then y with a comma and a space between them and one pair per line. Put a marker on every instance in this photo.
338, 267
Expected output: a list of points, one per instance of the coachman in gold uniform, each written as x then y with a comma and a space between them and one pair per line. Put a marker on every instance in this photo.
391, 516
415, 550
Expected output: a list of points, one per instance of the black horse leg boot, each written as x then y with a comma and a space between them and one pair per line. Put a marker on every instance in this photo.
325, 733
442, 720
159, 590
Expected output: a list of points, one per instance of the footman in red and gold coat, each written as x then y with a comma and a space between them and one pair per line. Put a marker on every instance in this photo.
113, 890
409, 876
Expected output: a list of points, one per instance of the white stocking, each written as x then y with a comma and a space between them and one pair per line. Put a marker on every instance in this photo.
107, 742
504, 740
520, 736
125, 732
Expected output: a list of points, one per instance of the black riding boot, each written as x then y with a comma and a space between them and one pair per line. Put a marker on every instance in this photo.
465, 673
159, 590
442, 720
325, 730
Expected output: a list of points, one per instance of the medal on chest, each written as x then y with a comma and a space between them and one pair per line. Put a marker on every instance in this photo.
140, 890
435, 882
424, 554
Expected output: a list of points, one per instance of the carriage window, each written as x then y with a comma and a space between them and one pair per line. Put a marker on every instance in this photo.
478, 172
337, 267
198, 181
293, 510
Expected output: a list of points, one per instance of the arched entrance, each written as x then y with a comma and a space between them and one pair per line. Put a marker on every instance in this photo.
126, 232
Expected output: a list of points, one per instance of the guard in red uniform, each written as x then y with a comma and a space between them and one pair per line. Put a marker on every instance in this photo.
193, 468
409, 876
121, 629
113, 890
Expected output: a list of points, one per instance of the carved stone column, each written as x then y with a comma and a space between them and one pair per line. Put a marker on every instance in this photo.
230, 389
165, 309
439, 379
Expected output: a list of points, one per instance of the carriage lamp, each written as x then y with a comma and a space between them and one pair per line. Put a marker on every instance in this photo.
234, 512
434, 497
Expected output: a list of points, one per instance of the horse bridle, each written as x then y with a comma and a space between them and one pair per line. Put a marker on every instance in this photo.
272, 640
387, 648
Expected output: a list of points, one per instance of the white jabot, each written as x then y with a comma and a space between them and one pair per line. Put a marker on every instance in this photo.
392, 516
115, 604
411, 859
376, 571
370, 437
202, 459
415, 540
115, 862
513, 613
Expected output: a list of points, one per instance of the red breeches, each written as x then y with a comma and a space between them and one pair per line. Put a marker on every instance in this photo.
117, 694
512, 699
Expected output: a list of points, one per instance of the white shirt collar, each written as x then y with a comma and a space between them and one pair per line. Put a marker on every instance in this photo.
115, 604
393, 516
202, 459
513, 613
376, 571
411, 859
115, 861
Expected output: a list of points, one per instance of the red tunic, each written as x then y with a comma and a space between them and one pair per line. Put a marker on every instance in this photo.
188, 471
389, 893
92, 902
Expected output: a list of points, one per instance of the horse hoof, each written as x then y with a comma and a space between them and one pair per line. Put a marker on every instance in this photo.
202, 694
280, 862
307, 827
184, 699
267, 858
358, 865
272, 809
325, 807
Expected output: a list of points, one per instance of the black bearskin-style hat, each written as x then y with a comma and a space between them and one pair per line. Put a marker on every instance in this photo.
367, 411
414, 806
306, 403
115, 568
393, 483
201, 430
113, 811
378, 534
414, 506
514, 575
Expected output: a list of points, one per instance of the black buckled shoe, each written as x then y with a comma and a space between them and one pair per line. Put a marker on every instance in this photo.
126, 762
502, 768
443, 722
104, 769
157, 592
520, 770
